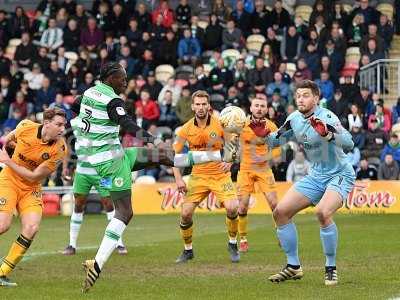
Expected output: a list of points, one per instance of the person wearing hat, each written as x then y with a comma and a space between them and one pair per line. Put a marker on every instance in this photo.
152, 85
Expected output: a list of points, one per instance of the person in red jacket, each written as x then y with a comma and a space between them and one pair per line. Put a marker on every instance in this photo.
166, 12
151, 111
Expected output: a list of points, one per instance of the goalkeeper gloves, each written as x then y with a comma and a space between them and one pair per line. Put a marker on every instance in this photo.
259, 128
323, 129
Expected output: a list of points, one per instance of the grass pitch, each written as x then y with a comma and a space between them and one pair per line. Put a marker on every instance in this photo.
368, 261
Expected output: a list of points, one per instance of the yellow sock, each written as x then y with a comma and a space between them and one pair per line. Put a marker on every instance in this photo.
243, 221
232, 224
15, 255
187, 233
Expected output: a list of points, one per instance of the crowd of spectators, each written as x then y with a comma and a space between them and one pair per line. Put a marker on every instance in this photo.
42, 73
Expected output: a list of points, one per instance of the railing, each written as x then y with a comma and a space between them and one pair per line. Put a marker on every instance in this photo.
382, 76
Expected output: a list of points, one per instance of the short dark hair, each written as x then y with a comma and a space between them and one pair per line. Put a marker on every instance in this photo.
50, 113
109, 69
308, 84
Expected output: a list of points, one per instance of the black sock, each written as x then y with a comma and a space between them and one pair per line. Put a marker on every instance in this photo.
293, 266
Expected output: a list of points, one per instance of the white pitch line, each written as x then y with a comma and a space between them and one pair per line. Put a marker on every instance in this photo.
33, 255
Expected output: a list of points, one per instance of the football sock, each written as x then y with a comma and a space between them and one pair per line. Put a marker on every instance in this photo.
187, 233
112, 234
329, 239
110, 215
74, 227
232, 223
14, 256
243, 221
287, 235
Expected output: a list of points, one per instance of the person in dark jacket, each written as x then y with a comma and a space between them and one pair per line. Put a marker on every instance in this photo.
213, 34
167, 53
389, 169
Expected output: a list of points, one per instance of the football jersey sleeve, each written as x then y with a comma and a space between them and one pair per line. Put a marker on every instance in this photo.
56, 157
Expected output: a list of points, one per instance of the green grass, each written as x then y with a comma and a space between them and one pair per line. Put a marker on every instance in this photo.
368, 262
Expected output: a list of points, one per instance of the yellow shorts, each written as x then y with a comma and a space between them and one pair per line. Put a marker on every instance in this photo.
199, 186
12, 198
249, 182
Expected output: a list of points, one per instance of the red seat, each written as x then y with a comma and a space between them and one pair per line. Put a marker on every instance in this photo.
51, 204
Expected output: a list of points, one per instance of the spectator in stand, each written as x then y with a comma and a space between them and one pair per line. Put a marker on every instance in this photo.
72, 36
366, 170
340, 16
376, 139
213, 34
370, 14
302, 67
28, 93
321, 31
91, 37
143, 17
233, 98
152, 85
382, 119
298, 168
278, 104
260, 76
74, 77
146, 44
396, 112
133, 34
104, 17
221, 10
20, 104
125, 53
59, 103
119, 19
231, 36
88, 82
242, 18
56, 76
356, 31
197, 31
336, 60
354, 118
158, 31
326, 86
45, 96
5, 88
273, 42
358, 135
220, 78
4, 109
170, 86
167, 13
349, 88
297, 79
69, 5
61, 18
311, 57
280, 17
291, 45
34, 77
372, 52
392, 148
184, 107
52, 37
338, 39
372, 34
261, 18
389, 169
301, 27
386, 31
340, 107
167, 52
240, 71
278, 84
282, 68
397, 16
183, 13
25, 52
12, 122
167, 112
270, 60
364, 100
42, 59
49, 8
18, 23
189, 49
319, 9
4, 29
150, 109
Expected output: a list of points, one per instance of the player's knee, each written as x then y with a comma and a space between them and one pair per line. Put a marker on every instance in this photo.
232, 212
4, 228
124, 216
29, 230
323, 215
279, 214
243, 209
186, 217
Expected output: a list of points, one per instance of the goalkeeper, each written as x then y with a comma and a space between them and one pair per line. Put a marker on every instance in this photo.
101, 113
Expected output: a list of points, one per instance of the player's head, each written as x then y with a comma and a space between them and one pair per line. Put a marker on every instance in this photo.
258, 107
307, 96
201, 104
54, 120
114, 75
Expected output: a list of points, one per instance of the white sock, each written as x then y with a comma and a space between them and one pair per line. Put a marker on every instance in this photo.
74, 227
110, 215
232, 240
189, 246
112, 234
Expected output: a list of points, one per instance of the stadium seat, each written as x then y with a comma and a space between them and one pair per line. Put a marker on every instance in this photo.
207, 69
164, 72
396, 128
67, 204
353, 55
217, 101
163, 130
10, 52
181, 82
231, 55
145, 179
183, 72
386, 9
254, 43
51, 204
72, 56
14, 42
304, 11
374, 161
290, 69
